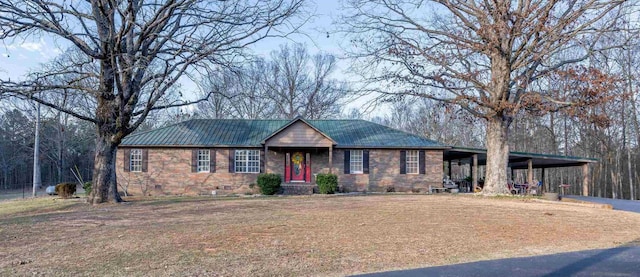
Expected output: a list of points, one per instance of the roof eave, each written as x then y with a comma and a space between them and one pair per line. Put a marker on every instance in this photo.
390, 147
260, 146
187, 146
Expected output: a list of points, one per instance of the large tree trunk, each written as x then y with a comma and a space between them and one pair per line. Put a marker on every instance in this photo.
497, 155
104, 187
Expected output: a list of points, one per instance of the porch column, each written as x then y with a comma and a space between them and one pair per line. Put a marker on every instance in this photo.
330, 158
530, 171
449, 169
474, 173
266, 158
585, 179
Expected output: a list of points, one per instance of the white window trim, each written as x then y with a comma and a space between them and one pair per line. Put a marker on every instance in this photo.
137, 154
247, 160
417, 161
351, 162
206, 163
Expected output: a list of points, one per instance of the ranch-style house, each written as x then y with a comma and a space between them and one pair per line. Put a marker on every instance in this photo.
223, 156
226, 155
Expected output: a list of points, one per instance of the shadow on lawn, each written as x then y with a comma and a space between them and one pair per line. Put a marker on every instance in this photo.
618, 261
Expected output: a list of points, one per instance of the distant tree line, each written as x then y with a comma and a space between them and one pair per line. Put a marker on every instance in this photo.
66, 144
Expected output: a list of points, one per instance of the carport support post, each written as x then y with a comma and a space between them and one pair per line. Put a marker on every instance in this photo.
474, 173
585, 179
544, 187
530, 172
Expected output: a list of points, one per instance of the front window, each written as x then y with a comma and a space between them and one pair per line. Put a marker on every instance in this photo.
248, 161
412, 162
135, 160
356, 161
204, 160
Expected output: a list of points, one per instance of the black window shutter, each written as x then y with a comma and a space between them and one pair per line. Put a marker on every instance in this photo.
421, 162
232, 160
347, 162
145, 160
403, 162
261, 161
212, 160
127, 160
365, 161
194, 160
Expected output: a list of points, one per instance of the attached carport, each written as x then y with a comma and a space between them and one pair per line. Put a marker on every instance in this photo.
519, 160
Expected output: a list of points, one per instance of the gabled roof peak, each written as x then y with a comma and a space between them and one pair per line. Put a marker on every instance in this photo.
293, 121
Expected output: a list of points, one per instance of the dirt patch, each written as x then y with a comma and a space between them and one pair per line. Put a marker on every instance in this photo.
296, 236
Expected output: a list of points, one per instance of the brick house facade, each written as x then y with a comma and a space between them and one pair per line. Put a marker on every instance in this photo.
226, 156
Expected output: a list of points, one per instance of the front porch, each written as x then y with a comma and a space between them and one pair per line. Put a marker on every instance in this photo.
298, 152
298, 166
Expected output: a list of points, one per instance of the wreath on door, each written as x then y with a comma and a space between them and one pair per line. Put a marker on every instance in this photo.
297, 162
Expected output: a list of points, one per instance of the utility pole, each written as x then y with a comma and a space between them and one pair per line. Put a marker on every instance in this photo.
36, 155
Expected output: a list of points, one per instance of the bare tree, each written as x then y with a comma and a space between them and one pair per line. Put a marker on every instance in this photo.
301, 85
238, 92
292, 83
481, 55
140, 49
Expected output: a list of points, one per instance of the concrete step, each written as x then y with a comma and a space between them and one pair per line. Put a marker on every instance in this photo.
297, 189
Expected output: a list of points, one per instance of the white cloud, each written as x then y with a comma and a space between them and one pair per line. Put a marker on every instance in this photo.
34, 46
19, 55
39, 47
26, 47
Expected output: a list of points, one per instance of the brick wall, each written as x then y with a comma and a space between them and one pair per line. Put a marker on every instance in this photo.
169, 172
384, 172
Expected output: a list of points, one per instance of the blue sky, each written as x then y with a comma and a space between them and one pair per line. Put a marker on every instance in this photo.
18, 56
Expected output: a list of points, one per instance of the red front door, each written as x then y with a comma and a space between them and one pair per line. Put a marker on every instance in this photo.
298, 167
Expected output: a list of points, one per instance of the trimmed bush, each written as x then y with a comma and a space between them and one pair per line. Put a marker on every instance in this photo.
327, 183
66, 190
87, 188
269, 183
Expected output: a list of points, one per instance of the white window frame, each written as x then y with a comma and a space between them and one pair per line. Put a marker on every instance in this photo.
135, 160
356, 161
412, 162
247, 161
204, 160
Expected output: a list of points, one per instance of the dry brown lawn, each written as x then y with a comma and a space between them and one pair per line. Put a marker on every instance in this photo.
293, 236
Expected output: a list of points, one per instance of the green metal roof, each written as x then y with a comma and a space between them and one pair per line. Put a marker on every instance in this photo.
251, 133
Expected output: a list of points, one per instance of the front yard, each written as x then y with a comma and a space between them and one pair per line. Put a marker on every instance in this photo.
308, 235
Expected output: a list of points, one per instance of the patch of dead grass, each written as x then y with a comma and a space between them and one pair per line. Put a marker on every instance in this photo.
295, 235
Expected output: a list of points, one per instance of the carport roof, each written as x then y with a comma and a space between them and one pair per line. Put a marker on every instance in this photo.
517, 160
